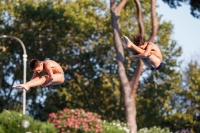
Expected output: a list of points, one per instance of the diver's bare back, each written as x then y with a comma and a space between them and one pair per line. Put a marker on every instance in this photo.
56, 68
156, 51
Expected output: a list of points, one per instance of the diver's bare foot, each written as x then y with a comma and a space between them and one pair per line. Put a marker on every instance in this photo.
20, 89
128, 42
22, 86
14, 86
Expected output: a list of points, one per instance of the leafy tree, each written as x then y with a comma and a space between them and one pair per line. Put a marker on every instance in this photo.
70, 33
185, 103
78, 34
194, 5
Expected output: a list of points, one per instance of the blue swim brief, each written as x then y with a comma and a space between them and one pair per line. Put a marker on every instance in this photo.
158, 68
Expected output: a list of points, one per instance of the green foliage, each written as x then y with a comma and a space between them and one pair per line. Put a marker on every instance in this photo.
154, 130
77, 34
186, 102
115, 127
70, 33
1, 129
11, 122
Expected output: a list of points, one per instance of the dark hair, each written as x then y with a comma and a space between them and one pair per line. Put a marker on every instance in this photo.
34, 63
138, 40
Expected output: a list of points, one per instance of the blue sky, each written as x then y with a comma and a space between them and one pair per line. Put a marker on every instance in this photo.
186, 29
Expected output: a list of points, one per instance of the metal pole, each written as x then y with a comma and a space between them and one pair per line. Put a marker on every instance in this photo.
24, 91
24, 62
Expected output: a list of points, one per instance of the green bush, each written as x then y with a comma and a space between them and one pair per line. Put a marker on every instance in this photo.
154, 130
115, 127
1, 129
11, 122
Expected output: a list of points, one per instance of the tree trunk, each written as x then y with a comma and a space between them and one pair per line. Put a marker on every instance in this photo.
139, 17
129, 89
129, 101
138, 71
154, 21
136, 76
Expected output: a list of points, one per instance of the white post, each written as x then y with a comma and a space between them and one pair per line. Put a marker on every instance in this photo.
24, 91
24, 62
